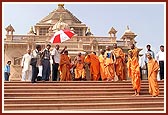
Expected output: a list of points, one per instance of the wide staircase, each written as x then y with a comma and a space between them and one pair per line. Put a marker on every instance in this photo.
80, 96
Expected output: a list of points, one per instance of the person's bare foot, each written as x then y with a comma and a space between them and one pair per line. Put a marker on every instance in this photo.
134, 94
155, 96
137, 94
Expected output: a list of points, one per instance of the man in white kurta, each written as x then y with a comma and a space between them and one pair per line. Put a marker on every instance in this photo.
26, 67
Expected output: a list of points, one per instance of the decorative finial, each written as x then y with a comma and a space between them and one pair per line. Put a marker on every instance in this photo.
88, 29
88, 32
62, 5
31, 28
127, 27
31, 31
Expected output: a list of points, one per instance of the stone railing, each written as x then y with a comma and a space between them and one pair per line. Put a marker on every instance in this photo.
90, 39
26, 38
35, 38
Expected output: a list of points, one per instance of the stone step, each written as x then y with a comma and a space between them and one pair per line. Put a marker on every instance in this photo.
58, 86
76, 87
82, 106
101, 90
77, 96
83, 100
27, 94
75, 83
118, 109
80, 96
124, 81
104, 110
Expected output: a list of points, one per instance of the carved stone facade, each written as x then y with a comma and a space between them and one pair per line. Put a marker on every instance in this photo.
15, 46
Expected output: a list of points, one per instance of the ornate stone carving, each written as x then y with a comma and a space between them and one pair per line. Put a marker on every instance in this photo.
9, 29
112, 32
60, 25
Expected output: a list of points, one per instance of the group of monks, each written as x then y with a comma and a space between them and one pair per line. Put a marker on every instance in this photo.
134, 72
110, 65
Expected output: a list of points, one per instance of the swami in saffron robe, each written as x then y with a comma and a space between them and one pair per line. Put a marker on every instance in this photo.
109, 66
135, 52
119, 62
134, 73
153, 67
102, 67
79, 70
65, 66
93, 60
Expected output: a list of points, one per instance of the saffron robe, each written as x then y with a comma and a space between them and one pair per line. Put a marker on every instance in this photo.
65, 67
93, 60
119, 62
102, 67
135, 52
134, 73
79, 71
109, 66
153, 67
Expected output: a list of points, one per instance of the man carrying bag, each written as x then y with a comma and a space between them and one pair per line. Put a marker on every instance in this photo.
35, 62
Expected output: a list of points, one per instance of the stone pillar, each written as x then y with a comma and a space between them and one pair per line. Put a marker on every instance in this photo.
7, 33
9, 37
96, 47
38, 30
84, 31
80, 44
92, 49
113, 39
126, 42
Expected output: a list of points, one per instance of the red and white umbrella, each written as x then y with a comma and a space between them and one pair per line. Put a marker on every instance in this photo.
62, 36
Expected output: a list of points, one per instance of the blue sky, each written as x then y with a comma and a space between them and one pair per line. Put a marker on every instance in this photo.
144, 19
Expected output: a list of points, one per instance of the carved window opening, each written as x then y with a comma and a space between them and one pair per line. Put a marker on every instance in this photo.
86, 47
43, 31
17, 61
78, 31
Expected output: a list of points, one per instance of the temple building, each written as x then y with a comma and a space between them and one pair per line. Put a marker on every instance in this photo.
15, 46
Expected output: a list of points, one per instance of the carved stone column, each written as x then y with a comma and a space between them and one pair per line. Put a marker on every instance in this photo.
113, 39
84, 29
9, 37
80, 44
38, 30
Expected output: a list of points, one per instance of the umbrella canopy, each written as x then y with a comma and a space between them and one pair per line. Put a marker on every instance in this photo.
62, 36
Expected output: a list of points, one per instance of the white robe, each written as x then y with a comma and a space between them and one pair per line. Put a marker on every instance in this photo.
40, 70
27, 68
26, 62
